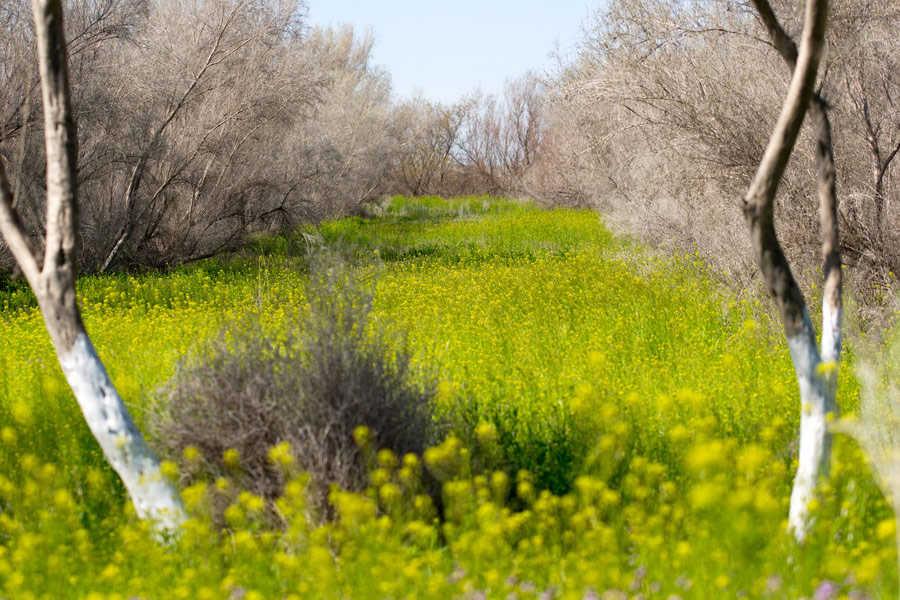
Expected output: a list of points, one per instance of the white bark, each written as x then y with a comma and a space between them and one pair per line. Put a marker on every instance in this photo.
154, 497
817, 377
816, 372
832, 317
816, 400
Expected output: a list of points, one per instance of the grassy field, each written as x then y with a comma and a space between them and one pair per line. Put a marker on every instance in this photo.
619, 425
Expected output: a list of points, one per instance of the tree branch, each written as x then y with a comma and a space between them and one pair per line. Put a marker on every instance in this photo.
759, 202
780, 39
14, 233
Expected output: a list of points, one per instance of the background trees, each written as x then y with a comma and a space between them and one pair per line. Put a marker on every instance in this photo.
662, 114
482, 144
427, 145
201, 122
238, 117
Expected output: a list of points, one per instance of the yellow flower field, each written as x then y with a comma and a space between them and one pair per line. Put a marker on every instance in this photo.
617, 424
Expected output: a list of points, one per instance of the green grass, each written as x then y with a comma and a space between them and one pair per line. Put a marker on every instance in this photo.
657, 412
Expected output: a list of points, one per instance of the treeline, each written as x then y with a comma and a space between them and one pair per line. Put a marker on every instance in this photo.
662, 117
203, 122
199, 122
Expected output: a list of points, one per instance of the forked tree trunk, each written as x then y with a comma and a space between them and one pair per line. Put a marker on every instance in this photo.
816, 371
154, 497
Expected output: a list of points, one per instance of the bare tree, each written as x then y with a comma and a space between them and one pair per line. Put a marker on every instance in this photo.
213, 79
53, 280
481, 140
816, 371
93, 24
202, 122
345, 151
663, 113
524, 130
501, 135
215, 55
427, 136
869, 67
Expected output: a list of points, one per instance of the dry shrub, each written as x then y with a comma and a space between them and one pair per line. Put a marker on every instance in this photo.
327, 374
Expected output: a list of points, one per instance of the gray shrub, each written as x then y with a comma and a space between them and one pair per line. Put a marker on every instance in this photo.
327, 373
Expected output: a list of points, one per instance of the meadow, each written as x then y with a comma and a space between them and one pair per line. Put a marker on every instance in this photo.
615, 424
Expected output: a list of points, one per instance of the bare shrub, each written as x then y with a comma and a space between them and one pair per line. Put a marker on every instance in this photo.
227, 396
328, 373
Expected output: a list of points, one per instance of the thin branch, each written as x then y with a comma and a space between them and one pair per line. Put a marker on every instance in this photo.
14, 232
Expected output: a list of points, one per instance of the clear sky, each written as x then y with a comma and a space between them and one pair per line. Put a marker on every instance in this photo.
448, 48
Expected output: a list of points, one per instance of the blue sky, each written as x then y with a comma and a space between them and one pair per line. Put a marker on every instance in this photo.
449, 48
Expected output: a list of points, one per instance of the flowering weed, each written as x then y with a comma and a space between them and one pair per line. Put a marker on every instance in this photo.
622, 428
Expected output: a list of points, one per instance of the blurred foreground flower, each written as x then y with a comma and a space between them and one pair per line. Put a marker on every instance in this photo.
877, 426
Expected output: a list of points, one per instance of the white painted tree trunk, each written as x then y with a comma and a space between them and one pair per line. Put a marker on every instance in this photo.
816, 372
153, 495
816, 380
53, 282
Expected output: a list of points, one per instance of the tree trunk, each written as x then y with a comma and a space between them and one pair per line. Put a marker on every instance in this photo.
816, 373
154, 497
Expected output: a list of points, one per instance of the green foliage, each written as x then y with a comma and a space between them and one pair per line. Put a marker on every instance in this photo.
622, 426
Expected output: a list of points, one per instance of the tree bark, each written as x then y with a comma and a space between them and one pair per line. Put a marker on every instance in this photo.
154, 497
816, 372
